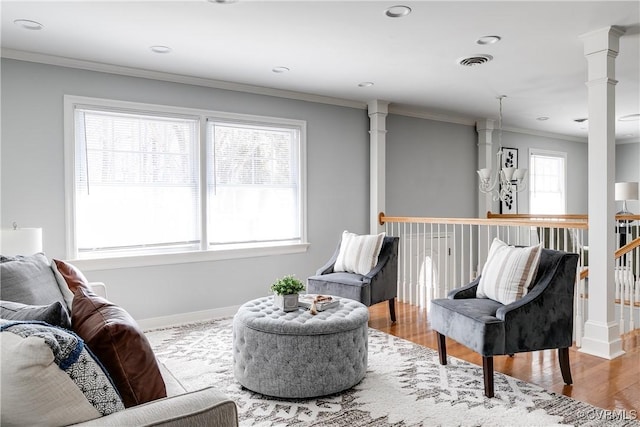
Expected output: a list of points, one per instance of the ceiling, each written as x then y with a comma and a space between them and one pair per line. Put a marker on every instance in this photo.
330, 47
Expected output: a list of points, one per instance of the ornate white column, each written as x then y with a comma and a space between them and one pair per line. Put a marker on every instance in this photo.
485, 160
601, 333
378, 111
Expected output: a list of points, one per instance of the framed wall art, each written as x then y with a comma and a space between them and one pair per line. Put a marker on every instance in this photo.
509, 160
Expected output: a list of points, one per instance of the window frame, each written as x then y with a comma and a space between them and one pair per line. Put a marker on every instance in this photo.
205, 252
548, 153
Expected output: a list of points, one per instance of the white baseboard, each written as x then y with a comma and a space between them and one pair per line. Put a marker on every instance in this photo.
181, 318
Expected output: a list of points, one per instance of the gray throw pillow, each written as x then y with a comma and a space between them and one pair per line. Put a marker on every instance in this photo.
54, 314
28, 280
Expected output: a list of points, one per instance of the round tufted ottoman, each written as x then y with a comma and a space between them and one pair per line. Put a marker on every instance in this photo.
297, 355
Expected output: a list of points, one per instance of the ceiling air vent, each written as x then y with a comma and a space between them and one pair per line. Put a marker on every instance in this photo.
470, 61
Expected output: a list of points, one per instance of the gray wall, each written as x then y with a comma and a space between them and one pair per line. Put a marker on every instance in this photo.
431, 168
33, 191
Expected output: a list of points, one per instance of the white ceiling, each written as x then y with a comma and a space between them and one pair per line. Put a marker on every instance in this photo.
332, 46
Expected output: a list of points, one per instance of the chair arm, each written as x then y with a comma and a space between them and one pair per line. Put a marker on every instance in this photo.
379, 266
328, 267
467, 291
545, 314
541, 294
206, 407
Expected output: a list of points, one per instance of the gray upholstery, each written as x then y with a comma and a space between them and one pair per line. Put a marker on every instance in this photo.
380, 284
53, 314
298, 355
29, 280
205, 407
542, 319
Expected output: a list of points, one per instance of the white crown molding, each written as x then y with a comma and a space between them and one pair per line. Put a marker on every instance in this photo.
176, 78
546, 134
422, 114
635, 140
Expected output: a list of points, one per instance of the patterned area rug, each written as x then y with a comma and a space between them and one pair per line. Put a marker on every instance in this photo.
404, 386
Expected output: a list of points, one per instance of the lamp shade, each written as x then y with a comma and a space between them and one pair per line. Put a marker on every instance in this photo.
626, 191
21, 241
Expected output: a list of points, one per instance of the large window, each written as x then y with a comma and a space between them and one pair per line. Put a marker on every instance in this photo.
253, 184
547, 182
148, 179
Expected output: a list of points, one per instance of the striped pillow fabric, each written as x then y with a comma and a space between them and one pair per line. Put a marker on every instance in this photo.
358, 254
508, 272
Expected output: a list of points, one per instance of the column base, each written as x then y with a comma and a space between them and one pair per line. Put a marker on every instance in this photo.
602, 340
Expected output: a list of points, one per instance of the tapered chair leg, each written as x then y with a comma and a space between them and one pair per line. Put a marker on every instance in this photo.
565, 367
392, 309
442, 348
487, 368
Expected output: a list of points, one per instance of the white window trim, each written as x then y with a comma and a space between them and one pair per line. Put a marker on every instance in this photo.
550, 153
248, 251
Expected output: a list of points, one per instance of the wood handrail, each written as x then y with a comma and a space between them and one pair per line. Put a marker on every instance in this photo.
382, 218
564, 217
635, 243
541, 216
628, 247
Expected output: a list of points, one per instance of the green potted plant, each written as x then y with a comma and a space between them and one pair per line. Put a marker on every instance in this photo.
285, 292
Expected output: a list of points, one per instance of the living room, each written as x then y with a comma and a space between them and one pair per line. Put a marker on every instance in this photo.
422, 151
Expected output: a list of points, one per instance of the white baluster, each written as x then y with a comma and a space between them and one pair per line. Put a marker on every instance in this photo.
632, 303
580, 310
628, 284
620, 286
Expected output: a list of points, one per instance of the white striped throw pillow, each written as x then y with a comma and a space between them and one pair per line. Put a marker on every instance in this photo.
508, 272
358, 254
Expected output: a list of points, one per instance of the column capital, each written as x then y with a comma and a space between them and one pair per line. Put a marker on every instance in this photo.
607, 38
485, 125
378, 107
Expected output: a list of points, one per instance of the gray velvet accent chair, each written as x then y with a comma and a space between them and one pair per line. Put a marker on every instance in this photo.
380, 284
542, 319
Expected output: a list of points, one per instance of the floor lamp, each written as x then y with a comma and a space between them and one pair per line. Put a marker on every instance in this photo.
625, 191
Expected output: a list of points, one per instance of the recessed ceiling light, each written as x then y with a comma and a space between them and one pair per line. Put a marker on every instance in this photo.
629, 118
488, 40
365, 84
28, 24
160, 49
397, 11
542, 118
280, 70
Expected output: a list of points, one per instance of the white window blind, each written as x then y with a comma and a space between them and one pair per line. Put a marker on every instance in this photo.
136, 181
151, 179
547, 193
254, 190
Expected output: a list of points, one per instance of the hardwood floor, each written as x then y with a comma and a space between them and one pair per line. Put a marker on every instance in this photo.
608, 384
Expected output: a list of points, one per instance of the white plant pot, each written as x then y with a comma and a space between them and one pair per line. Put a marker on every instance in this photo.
286, 302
